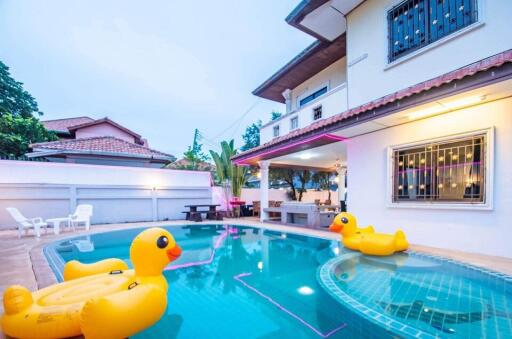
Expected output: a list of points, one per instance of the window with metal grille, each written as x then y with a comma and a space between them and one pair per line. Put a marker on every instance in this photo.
313, 96
317, 113
294, 123
416, 23
276, 131
447, 171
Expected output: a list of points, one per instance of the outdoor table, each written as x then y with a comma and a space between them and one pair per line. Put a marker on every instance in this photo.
237, 203
193, 208
194, 214
56, 223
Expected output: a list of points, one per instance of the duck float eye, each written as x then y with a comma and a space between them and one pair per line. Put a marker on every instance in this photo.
162, 242
344, 220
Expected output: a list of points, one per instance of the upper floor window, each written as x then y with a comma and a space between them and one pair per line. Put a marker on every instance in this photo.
313, 96
294, 123
452, 170
416, 23
276, 131
317, 113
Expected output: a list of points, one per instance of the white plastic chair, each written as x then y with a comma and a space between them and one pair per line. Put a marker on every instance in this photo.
25, 223
82, 215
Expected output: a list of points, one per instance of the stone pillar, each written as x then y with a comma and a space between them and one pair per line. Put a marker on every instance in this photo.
264, 167
287, 94
342, 174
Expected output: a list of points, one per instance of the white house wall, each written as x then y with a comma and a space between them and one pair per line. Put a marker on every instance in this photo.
367, 41
333, 102
332, 76
480, 231
118, 194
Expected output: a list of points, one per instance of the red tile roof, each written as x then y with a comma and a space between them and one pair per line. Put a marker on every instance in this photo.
101, 121
98, 145
62, 125
479, 66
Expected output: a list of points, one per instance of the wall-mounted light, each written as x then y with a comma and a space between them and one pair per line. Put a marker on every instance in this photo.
305, 156
446, 106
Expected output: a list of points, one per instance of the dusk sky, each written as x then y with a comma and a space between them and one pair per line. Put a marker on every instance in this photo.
161, 68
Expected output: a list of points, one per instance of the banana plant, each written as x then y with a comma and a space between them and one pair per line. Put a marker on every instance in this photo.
229, 174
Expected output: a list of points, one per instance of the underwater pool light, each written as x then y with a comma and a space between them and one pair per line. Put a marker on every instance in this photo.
305, 290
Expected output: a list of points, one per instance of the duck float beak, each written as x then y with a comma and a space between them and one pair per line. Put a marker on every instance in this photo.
336, 228
174, 253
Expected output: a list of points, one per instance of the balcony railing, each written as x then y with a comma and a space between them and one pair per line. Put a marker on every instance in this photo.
333, 102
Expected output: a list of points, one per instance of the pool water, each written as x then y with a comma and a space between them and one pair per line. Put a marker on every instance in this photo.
234, 282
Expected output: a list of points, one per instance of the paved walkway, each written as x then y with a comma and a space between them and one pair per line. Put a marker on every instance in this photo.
23, 262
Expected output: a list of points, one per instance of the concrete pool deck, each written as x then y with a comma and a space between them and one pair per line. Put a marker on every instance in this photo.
24, 263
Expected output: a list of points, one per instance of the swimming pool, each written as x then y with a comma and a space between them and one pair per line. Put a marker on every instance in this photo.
241, 281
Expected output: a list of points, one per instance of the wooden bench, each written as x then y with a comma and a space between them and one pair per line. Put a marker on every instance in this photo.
197, 215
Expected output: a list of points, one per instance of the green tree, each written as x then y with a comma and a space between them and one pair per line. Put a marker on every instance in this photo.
18, 127
304, 177
229, 174
251, 136
275, 115
17, 133
13, 98
287, 175
323, 181
194, 153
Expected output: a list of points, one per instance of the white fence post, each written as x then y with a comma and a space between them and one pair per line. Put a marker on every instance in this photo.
72, 199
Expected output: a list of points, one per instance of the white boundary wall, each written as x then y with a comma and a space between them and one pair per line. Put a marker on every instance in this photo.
118, 194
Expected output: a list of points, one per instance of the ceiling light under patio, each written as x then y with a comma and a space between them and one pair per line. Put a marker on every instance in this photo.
446, 106
306, 156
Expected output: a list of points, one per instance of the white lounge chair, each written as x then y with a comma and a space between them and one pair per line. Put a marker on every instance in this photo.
82, 215
25, 223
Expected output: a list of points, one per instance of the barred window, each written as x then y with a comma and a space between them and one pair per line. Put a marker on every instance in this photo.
294, 123
276, 131
448, 171
317, 113
416, 23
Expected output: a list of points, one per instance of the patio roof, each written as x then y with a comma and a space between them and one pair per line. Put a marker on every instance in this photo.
472, 76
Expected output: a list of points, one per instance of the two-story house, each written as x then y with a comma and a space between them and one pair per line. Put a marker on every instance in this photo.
84, 140
412, 100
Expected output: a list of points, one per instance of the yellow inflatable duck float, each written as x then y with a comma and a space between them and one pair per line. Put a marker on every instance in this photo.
366, 240
101, 300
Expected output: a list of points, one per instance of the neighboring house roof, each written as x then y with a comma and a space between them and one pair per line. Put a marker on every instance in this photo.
316, 57
62, 125
107, 121
185, 164
107, 146
353, 115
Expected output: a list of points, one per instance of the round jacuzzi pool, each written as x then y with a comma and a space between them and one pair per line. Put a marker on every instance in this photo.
422, 296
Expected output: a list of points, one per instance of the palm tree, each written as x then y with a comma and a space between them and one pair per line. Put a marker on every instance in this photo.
229, 174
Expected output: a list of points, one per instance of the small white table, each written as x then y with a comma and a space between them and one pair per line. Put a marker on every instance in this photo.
56, 223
